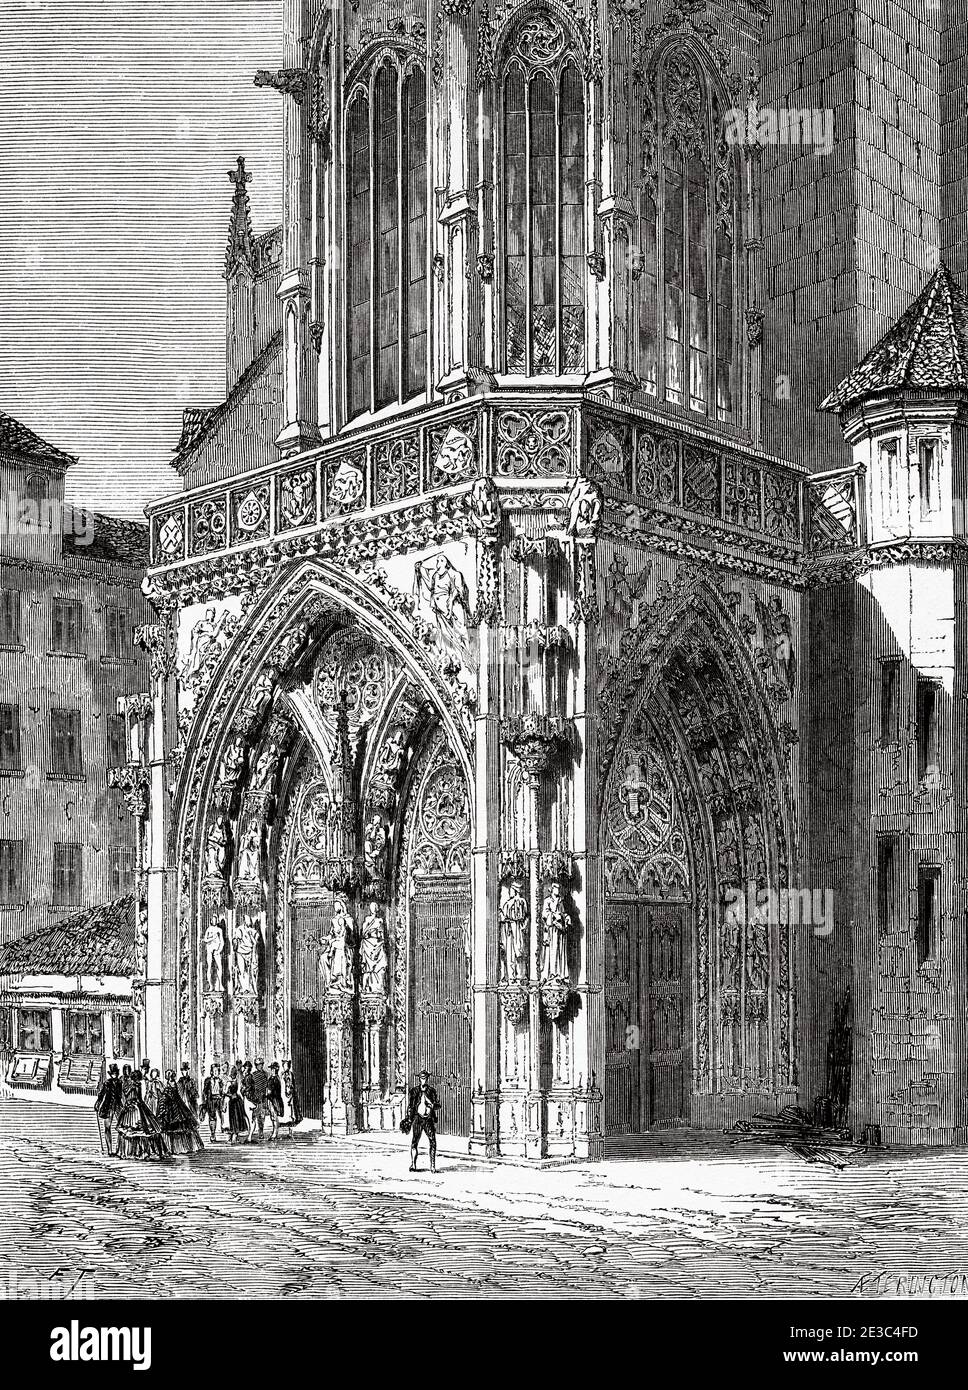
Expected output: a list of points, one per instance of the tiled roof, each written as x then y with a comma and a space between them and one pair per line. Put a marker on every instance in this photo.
94, 536
97, 941
198, 424
926, 350
18, 440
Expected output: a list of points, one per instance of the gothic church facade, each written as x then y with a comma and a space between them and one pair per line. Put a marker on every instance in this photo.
545, 692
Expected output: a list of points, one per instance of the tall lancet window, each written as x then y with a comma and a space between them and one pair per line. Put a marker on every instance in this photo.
386, 239
685, 266
543, 202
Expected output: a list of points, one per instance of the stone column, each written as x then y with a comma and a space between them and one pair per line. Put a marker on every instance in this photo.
159, 1037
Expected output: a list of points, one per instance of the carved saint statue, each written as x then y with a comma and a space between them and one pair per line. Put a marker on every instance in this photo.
216, 850
231, 764
555, 927
250, 866
375, 843
514, 932
265, 766
373, 952
248, 935
336, 957
392, 755
214, 941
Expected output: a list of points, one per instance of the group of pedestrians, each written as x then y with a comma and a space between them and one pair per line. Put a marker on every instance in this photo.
142, 1116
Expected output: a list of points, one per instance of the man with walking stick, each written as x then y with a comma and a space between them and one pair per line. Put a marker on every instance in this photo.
107, 1106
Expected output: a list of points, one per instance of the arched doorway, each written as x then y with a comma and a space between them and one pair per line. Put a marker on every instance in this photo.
649, 943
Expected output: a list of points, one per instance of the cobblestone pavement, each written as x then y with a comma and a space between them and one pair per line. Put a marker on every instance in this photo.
319, 1218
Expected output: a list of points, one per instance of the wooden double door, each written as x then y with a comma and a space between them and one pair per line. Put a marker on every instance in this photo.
440, 1030
648, 1016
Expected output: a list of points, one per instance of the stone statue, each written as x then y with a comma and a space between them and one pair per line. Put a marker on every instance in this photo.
375, 844
555, 927
441, 591
210, 637
214, 940
336, 958
515, 915
231, 764
373, 952
584, 509
250, 854
265, 766
216, 850
248, 934
486, 505
392, 755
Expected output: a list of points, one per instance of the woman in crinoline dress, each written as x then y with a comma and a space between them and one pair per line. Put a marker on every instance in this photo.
177, 1122
235, 1115
139, 1134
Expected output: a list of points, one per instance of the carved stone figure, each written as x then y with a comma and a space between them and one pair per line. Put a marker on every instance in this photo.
217, 850
249, 870
456, 456
486, 505
346, 485
515, 916
441, 591
555, 929
231, 764
336, 958
392, 755
210, 637
584, 509
373, 952
375, 844
246, 942
214, 941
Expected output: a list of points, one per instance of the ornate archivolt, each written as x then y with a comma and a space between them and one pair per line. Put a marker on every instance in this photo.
725, 789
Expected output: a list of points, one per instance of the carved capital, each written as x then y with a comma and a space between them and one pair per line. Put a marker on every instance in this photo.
514, 1001
133, 781
537, 740
555, 994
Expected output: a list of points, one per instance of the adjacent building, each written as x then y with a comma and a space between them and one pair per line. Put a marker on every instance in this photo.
70, 603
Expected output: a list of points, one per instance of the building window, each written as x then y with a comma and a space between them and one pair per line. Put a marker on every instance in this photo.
888, 453
117, 740
67, 885
124, 1030
120, 870
687, 287
928, 881
9, 617
886, 882
386, 237
890, 702
66, 625
927, 732
84, 1034
544, 217
11, 872
115, 632
929, 477
33, 1030
65, 743
10, 760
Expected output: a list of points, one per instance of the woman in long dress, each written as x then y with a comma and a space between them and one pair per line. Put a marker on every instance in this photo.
139, 1134
153, 1089
177, 1122
235, 1112
291, 1113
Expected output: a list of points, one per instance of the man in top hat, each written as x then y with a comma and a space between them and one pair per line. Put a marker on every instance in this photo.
421, 1118
107, 1105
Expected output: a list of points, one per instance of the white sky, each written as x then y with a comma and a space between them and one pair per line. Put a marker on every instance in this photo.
118, 124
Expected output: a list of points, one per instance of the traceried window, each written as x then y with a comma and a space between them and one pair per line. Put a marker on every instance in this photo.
684, 265
386, 238
542, 206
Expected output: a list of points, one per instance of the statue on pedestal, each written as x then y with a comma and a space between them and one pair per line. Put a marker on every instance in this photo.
515, 915
214, 941
555, 928
373, 952
336, 957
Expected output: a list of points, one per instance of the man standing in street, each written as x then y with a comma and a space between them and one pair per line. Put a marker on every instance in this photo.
274, 1106
259, 1081
108, 1104
421, 1118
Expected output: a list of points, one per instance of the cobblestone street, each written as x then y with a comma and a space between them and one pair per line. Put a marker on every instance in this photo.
316, 1218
